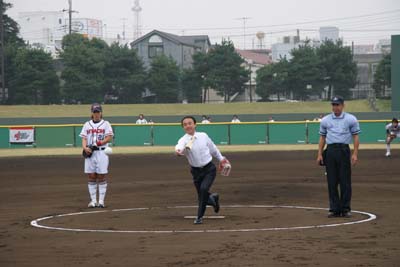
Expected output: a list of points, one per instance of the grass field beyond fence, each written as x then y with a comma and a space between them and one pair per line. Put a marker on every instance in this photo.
183, 109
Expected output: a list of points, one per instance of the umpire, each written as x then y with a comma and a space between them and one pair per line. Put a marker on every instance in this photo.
337, 131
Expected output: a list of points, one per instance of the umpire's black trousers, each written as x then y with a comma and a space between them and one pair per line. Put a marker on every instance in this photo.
338, 168
203, 179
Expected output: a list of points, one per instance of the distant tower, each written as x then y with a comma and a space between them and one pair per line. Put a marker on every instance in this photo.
260, 36
137, 28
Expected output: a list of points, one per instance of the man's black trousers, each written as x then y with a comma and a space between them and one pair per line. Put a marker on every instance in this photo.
338, 168
203, 179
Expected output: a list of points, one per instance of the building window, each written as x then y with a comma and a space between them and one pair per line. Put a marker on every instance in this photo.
155, 39
155, 50
156, 46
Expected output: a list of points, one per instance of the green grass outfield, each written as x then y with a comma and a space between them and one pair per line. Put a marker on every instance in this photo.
32, 111
384, 105
35, 152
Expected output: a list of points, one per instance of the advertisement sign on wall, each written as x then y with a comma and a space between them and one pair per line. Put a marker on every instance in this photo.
22, 135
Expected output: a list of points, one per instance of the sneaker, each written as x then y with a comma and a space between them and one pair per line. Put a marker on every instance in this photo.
92, 204
216, 202
387, 154
101, 204
346, 214
334, 214
198, 220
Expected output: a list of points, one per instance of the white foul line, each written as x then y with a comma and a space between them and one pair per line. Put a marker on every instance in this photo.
35, 223
205, 217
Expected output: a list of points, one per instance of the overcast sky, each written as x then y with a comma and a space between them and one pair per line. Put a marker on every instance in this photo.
361, 21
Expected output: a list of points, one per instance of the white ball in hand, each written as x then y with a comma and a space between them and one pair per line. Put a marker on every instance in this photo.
108, 151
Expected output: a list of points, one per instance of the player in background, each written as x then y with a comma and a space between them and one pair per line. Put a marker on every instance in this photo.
200, 150
141, 119
392, 131
235, 119
96, 134
205, 119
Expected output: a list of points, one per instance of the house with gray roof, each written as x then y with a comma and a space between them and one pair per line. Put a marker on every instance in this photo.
180, 48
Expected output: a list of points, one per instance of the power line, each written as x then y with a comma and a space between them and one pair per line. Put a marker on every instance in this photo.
288, 24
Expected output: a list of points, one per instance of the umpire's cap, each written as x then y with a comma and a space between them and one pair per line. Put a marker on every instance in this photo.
96, 107
337, 100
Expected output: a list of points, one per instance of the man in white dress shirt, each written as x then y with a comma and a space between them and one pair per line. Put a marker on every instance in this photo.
200, 150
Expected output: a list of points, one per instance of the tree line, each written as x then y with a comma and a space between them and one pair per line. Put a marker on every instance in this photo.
90, 70
328, 68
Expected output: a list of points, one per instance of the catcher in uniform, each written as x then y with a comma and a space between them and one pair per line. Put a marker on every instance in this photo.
200, 150
96, 134
392, 131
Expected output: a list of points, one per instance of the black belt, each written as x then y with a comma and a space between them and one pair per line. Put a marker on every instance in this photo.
338, 145
204, 167
94, 148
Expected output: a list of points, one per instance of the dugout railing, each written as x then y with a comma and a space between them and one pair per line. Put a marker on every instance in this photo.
167, 134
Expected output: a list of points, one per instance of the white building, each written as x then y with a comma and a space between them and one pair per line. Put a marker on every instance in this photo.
384, 46
329, 33
41, 27
46, 29
363, 49
281, 50
253, 61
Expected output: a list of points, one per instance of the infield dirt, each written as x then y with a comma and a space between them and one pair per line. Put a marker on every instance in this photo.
33, 187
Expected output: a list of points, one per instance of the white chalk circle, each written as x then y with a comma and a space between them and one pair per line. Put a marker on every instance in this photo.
37, 222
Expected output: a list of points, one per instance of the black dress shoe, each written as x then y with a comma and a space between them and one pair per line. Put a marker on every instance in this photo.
216, 202
333, 214
198, 220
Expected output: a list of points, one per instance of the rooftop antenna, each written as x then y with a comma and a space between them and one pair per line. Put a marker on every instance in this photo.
244, 19
137, 28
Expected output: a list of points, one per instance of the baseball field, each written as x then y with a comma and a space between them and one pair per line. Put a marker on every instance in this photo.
273, 206
272, 212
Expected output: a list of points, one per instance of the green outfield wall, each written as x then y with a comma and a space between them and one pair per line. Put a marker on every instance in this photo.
255, 133
177, 118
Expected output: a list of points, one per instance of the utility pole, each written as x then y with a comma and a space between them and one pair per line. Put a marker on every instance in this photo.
70, 16
123, 28
3, 90
70, 11
244, 19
